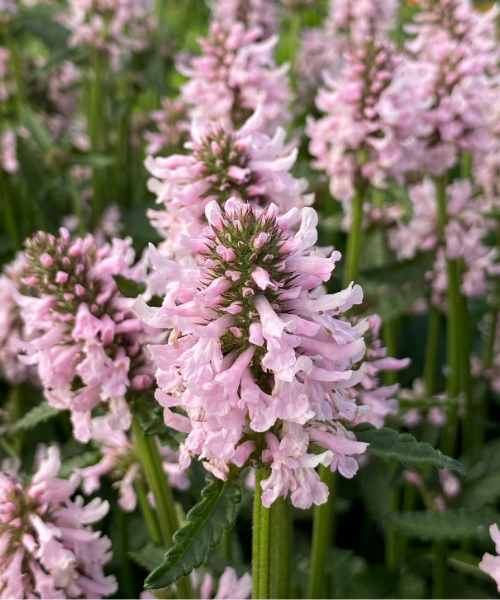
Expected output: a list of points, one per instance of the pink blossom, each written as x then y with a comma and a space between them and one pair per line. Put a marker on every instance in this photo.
80, 326
246, 164
46, 549
252, 13
212, 370
229, 585
491, 564
234, 75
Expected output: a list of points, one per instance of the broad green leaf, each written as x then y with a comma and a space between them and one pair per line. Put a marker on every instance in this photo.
128, 287
39, 414
401, 272
450, 525
387, 443
150, 557
52, 34
207, 522
78, 462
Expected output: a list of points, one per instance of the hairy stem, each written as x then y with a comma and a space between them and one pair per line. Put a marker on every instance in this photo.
279, 569
322, 539
148, 513
440, 570
261, 541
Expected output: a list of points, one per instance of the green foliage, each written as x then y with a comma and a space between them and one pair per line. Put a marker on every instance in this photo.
387, 443
165, 434
208, 520
481, 484
128, 287
451, 525
149, 558
35, 416
78, 462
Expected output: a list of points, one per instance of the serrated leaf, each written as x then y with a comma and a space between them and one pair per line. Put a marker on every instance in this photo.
208, 520
78, 462
387, 443
39, 414
128, 287
149, 557
450, 525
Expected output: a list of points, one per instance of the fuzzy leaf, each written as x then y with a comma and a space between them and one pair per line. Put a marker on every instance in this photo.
149, 557
39, 414
128, 287
387, 443
207, 522
80, 461
450, 525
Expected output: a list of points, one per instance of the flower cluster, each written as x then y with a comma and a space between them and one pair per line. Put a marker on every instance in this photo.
11, 324
257, 359
83, 335
118, 27
235, 74
245, 164
120, 462
171, 122
252, 13
369, 392
464, 237
47, 549
459, 48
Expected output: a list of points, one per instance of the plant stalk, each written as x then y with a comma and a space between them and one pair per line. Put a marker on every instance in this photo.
148, 513
440, 570
279, 569
150, 458
261, 541
431, 351
353, 250
322, 538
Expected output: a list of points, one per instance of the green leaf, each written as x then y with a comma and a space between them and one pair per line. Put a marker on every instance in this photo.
450, 525
96, 161
387, 443
78, 462
166, 435
128, 287
466, 563
41, 413
149, 558
36, 128
207, 522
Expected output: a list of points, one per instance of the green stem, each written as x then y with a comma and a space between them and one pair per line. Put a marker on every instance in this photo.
10, 219
440, 570
389, 332
279, 568
293, 44
392, 537
96, 133
468, 426
226, 545
126, 579
148, 513
449, 438
261, 541
431, 351
353, 250
150, 458
322, 538
76, 204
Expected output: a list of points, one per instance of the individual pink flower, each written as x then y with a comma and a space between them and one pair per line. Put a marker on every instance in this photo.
47, 549
120, 463
234, 75
84, 337
242, 360
491, 564
229, 585
246, 164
